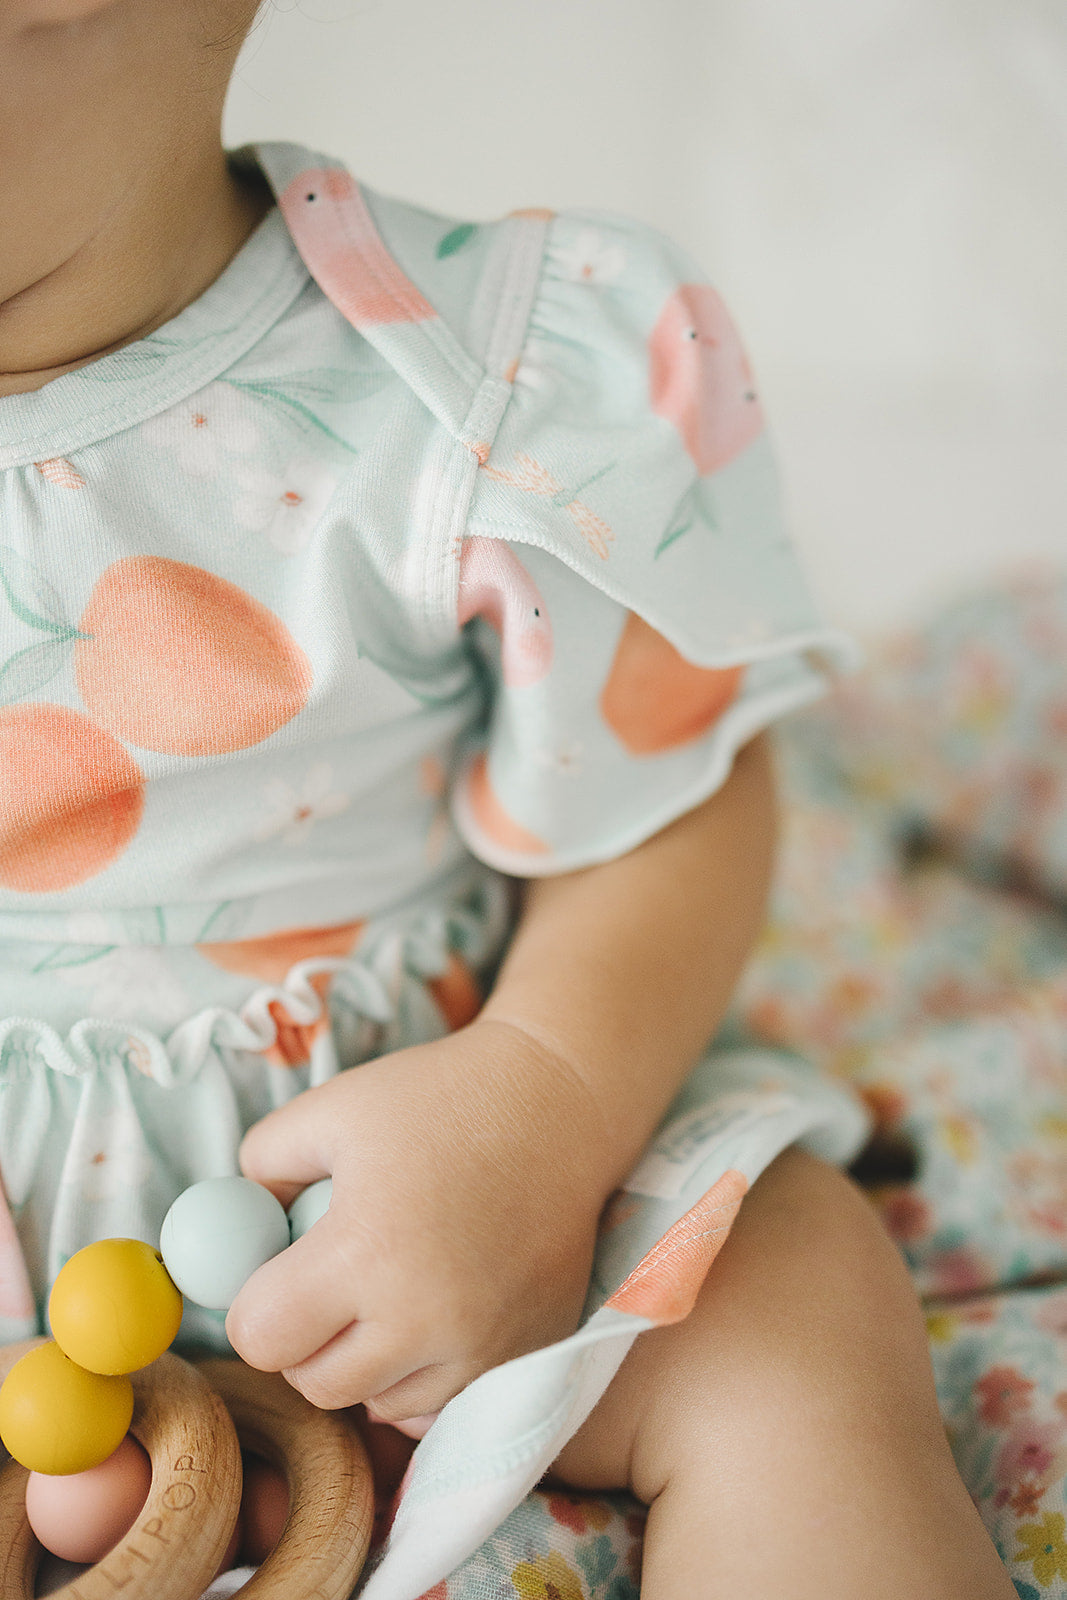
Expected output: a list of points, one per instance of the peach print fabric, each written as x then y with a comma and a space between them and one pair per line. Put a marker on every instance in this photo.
416, 552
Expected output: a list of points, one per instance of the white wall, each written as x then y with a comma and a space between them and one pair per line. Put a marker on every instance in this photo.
878, 187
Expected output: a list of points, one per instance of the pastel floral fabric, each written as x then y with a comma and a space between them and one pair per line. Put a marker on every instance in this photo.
409, 543
560, 1545
918, 948
413, 553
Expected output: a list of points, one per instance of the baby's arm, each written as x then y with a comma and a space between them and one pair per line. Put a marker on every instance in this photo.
623, 971
469, 1173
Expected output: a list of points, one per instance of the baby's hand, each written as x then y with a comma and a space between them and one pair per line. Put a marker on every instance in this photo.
460, 1233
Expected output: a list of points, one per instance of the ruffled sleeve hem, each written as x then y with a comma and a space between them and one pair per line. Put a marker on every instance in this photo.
625, 575
478, 816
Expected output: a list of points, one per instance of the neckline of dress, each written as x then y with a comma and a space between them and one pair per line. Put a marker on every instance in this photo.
141, 379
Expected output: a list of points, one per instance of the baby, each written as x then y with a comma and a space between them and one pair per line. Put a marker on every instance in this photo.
356, 569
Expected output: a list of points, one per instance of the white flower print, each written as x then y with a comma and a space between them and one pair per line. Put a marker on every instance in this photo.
132, 983
285, 506
590, 260
532, 370
294, 811
204, 430
107, 1159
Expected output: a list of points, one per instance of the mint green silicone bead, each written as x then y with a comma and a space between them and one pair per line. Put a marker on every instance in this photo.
310, 1204
216, 1234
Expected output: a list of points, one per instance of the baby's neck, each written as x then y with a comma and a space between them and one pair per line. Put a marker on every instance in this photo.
118, 205
127, 280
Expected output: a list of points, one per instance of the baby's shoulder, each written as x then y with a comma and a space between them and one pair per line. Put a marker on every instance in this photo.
449, 259
572, 265
478, 288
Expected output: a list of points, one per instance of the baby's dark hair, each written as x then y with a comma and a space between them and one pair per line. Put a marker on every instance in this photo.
222, 34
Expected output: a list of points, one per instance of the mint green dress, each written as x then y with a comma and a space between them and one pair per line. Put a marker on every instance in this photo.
416, 555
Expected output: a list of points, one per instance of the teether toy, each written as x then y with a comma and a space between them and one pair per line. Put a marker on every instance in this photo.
196, 1463
82, 1516
113, 1306
216, 1234
116, 1305
310, 1204
66, 1405
57, 1417
331, 1491
182, 1417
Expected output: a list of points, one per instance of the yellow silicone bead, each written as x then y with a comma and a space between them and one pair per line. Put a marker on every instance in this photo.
114, 1307
57, 1418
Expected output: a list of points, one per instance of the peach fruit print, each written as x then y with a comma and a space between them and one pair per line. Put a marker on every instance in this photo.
700, 378
174, 659
494, 584
337, 238
654, 699
455, 991
269, 959
70, 798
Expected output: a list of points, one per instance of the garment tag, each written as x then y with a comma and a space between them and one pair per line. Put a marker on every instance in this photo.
681, 1147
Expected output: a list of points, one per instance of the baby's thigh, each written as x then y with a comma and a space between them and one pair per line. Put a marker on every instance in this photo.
786, 1434
806, 1320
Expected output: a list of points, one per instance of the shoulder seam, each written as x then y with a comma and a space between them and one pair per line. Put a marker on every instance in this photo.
520, 281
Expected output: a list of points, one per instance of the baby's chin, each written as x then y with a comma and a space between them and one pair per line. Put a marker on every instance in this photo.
41, 13
59, 13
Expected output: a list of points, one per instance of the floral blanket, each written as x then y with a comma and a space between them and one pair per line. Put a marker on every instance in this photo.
918, 948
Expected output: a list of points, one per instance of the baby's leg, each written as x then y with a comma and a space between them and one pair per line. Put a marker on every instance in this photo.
786, 1434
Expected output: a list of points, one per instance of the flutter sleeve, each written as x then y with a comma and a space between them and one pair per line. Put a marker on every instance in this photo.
625, 577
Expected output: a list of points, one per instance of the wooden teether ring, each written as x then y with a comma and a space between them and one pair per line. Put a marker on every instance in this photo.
174, 1549
331, 1491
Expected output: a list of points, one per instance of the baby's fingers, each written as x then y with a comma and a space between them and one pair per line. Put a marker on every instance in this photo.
363, 1360
288, 1149
293, 1304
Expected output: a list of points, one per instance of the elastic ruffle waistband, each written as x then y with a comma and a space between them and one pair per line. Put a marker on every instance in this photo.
371, 984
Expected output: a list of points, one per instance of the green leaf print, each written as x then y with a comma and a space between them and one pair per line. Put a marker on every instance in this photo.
282, 397
566, 497
622, 1587
72, 955
137, 361
145, 925
225, 922
456, 240
29, 670
322, 383
980, 1473
35, 603
669, 538
597, 1560
696, 506
31, 597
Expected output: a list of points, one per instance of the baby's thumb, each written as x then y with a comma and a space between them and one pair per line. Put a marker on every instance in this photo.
287, 1150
